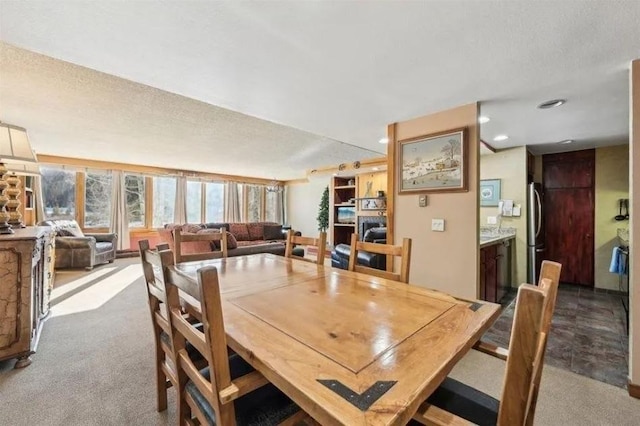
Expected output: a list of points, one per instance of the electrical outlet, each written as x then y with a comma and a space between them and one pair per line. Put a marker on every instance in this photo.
492, 220
437, 225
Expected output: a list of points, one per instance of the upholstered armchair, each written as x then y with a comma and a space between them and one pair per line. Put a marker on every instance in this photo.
340, 254
74, 249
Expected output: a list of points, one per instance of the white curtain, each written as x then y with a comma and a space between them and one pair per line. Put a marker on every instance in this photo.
180, 212
38, 199
232, 211
119, 214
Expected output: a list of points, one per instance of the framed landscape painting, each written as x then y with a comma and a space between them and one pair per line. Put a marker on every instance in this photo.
433, 163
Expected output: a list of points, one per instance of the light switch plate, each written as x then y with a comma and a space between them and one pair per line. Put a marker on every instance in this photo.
492, 220
422, 201
516, 210
437, 225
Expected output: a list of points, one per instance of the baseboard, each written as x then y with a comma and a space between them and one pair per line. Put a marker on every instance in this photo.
634, 390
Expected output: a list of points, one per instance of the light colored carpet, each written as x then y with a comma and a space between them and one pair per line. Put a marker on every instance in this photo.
94, 366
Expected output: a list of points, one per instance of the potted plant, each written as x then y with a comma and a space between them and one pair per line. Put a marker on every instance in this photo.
323, 211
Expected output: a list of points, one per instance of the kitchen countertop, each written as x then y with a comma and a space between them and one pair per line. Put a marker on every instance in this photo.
492, 235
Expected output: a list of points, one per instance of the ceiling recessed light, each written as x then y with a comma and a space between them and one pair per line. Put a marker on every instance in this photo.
375, 169
566, 141
552, 103
384, 140
335, 174
501, 138
483, 119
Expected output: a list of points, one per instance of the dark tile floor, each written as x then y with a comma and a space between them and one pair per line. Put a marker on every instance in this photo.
588, 334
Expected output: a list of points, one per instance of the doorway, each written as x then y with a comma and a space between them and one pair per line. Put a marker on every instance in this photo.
569, 210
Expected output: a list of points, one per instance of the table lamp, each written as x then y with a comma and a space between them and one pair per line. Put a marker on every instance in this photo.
15, 151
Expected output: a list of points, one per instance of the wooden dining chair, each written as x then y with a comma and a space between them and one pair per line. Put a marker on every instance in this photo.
320, 243
549, 270
403, 251
205, 250
455, 403
227, 391
165, 372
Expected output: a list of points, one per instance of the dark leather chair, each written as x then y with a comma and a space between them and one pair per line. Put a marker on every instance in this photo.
77, 250
340, 254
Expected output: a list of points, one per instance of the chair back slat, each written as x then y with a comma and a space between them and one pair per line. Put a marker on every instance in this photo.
549, 283
525, 349
211, 342
403, 251
152, 271
320, 243
180, 238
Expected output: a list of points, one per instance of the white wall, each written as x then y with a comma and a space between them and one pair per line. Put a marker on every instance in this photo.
303, 200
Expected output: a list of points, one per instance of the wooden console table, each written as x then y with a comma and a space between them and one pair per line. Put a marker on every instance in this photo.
26, 280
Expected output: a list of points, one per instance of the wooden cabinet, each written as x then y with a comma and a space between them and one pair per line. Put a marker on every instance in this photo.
355, 196
343, 209
26, 281
495, 271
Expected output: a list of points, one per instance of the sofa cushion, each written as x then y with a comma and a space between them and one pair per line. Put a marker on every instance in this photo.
256, 231
231, 241
240, 231
214, 225
215, 245
192, 228
273, 232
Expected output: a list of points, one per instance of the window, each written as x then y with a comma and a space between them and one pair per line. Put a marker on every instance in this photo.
214, 196
273, 207
59, 193
97, 201
134, 187
254, 203
164, 201
194, 202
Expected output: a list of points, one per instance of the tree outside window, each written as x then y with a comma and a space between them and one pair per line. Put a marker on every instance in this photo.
254, 203
59, 193
135, 189
214, 208
194, 202
97, 210
164, 200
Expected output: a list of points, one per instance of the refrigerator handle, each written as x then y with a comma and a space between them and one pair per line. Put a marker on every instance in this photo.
539, 213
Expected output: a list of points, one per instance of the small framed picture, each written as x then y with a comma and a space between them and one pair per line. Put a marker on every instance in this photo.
489, 192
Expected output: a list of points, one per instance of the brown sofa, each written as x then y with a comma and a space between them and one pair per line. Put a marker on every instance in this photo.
74, 249
243, 238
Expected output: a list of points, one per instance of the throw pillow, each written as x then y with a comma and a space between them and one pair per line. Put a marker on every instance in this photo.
256, 231
231, 241
215, 244
273, 232
192, 228
240, 231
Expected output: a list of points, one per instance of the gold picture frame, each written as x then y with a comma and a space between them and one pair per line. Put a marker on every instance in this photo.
435, 163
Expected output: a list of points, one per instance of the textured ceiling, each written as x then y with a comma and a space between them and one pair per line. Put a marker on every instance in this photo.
77, 112
345, 70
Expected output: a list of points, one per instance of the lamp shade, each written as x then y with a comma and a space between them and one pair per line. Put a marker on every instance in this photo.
23, 169
14, 145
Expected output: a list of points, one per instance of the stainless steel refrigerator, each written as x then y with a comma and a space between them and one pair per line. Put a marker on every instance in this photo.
535, 232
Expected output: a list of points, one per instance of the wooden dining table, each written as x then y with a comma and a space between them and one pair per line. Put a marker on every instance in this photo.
348, 348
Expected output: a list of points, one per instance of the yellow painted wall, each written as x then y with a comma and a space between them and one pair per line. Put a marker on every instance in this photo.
447, 261
612, 183
510, 166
